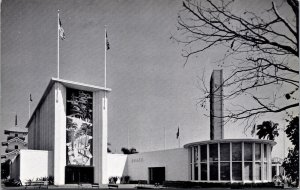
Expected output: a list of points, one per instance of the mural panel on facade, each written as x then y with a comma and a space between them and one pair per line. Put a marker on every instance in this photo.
79, 127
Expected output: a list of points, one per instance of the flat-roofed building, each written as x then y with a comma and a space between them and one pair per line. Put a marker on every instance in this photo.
67, 137
70, 124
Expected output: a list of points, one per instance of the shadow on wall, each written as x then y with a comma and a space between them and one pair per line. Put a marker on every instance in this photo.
50, 163
117, 167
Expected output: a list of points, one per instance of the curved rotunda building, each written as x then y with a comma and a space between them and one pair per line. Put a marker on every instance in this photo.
228, 160
231, 160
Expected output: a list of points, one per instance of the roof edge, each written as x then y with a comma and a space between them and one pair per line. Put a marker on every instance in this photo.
230, 140
6, 132
66, 83
17, 139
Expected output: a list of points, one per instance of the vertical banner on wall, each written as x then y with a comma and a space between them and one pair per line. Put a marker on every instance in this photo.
79, 127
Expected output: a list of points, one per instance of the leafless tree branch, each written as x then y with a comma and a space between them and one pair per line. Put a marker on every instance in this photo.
262, 50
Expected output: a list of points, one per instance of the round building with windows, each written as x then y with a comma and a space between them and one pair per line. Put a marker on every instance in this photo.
231, 160
228, 160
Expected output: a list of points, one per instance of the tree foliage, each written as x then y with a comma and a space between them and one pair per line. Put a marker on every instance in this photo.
291, 162
108, 148
81, 105
268, 129
261, 49
129, 151
292, 131
5, 167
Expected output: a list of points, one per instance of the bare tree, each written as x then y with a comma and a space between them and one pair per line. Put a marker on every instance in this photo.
261, 50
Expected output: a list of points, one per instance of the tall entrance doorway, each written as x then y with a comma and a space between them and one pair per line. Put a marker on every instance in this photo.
79, 174
157, 175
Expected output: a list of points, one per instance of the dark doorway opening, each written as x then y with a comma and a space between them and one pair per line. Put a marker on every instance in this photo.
79, 174
157, 175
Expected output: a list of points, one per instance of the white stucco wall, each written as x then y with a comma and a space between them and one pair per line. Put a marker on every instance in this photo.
116, 165
35, 164
100, 137
47, 128
175, 162
60, 123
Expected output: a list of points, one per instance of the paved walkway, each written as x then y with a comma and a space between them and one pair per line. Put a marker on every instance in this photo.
86, 186
123, 186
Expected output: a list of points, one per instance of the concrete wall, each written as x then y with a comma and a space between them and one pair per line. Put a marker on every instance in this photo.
175, 162
41, 126
34, 164
216, 105
60, 134
117, 165
100, 138
47, 128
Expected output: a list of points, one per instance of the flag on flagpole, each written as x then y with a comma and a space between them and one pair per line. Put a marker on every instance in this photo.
30, 98
16, 120
107, 43
177, 134
61, 30
253, 131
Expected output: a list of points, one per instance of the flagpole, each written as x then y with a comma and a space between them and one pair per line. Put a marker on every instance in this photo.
164, 138
29, 108
105, 58
16, 120
128, 137
178, 137
105, 49
58, 43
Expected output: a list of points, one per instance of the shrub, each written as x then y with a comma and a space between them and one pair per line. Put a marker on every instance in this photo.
126, 179
113, 179
12, 183
51, 180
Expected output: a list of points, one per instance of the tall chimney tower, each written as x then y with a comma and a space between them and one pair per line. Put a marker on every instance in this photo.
216, 105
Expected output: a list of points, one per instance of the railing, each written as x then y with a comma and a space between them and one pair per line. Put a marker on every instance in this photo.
36, 183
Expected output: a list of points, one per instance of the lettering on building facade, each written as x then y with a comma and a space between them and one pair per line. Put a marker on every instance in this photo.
135, 160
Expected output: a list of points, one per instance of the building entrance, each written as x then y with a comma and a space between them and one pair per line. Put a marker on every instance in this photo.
157, 175
79, 174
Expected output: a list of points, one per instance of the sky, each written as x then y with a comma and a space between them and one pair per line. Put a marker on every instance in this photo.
152, 92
